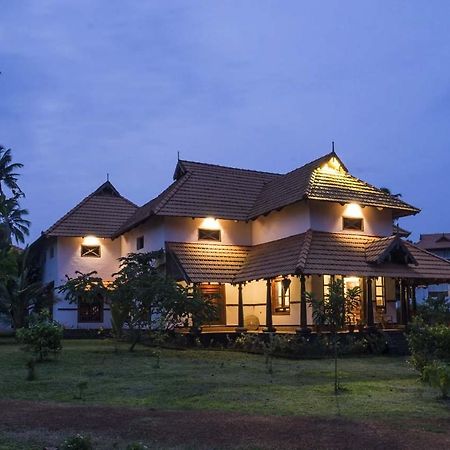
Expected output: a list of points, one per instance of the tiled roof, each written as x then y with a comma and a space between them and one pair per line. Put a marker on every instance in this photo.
380, 251
434, 241
202, 190
202, 262
100, 214
310, 253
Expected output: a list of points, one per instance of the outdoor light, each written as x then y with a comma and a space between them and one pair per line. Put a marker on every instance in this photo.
90, 240
210, 223
353, 211
286, 283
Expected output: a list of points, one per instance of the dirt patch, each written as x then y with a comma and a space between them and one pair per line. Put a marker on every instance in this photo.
214, 429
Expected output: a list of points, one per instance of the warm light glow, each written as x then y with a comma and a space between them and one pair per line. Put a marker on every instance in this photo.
353, 211
351, 282
209, 223
91, 240
331, 166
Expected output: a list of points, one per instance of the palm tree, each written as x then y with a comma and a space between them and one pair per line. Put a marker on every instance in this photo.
8, 176
20, 293
12, 223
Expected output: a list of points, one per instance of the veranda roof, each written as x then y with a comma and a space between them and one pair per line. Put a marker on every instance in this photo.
309, 253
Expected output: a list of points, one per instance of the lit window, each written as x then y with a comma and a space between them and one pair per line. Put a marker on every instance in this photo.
90, 251
208, 235
281, 296
350, 223
140, 242
90, 311
380, 298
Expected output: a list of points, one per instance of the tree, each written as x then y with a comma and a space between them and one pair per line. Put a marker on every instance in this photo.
141, 297
11, 219
8, 175
20, 290
333, 311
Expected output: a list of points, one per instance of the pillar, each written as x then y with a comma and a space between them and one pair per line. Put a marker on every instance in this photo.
369, 305
269, 327
240, 328
303, 317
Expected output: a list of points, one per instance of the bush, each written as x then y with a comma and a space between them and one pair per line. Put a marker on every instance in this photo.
77, 442
42, 336
136, 446
437, 375
428, 343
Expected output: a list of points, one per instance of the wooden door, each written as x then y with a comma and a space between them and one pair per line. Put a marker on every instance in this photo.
216, 293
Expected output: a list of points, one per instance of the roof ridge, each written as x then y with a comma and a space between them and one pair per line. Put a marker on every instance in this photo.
230, 167
305, 250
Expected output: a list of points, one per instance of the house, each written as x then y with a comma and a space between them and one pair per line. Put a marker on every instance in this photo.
254, 241
438, 244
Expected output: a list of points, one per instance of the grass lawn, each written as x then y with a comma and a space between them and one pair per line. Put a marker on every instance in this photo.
375, 388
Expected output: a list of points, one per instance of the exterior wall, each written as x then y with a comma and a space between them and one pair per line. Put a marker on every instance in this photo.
67, 261
153, 232
293, 219
327, 216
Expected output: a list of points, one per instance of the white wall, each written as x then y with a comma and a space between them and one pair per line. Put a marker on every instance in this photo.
291, 220
327, 216
68, 259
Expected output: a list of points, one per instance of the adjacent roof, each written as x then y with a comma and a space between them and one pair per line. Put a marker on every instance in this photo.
309, 253
100, 214
434, 241
200, 262
202, 190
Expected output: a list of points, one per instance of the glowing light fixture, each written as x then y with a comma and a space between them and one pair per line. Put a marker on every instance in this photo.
331, 166
210, 223
91, 240
353, 211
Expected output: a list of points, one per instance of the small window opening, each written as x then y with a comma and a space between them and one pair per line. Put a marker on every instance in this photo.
350, 223
90, 251
209, 235
140, 243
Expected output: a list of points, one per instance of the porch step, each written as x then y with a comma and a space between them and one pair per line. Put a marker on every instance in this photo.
397, 342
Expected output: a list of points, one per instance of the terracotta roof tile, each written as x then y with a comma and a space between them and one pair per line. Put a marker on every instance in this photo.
99, 214
310, 253
434, 241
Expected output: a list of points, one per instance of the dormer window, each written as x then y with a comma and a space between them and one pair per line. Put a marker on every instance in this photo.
90, 251
140, 243
350, 223
209, 235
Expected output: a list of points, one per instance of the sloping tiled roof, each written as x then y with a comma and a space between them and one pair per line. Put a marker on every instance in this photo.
434, 241
309, 253
202, 190
381, 250
312, 182
202, 262
100, 214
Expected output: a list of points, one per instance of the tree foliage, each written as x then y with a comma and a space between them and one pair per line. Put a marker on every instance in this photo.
142, 298
435, 310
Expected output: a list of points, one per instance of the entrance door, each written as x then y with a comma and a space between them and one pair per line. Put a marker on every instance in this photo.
216, 293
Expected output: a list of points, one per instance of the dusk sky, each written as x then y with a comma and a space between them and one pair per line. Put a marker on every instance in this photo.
90, 87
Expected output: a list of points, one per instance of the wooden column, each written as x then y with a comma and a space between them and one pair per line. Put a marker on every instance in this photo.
269, 327
303, 317
240, 328
403, 303
413, 300
369, 305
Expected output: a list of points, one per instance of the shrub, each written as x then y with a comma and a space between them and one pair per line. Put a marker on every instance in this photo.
136, 446
42, 336
437, 375
77, 442
428, 343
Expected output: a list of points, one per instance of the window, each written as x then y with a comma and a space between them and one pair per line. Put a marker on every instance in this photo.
90, 251
90, 311
349, 223
140, 242
281, 296
51, 252
380, 298
208, 235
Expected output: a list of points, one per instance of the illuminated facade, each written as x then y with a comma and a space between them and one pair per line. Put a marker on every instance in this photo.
256, 242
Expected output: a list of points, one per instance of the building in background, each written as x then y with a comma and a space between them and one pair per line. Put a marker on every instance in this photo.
438, 244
